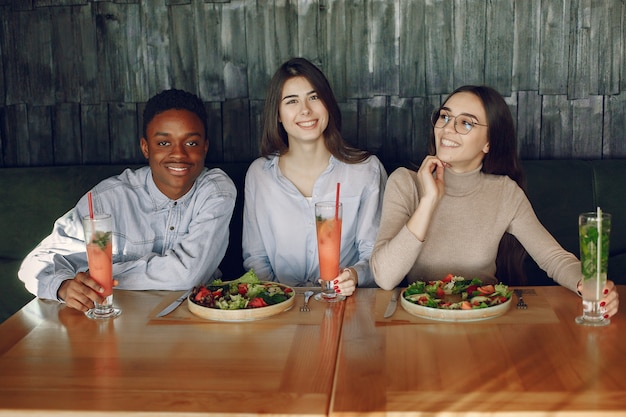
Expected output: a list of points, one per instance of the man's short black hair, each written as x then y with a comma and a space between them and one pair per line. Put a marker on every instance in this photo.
174, 99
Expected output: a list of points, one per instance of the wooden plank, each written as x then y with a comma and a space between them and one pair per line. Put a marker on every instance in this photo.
65, 49
286, 29
124, 134
357, 53
350, 121
556, 128
554, 46
208, 23
262, 61
155, 29
613, 143
236, 130
309, 42
332, 20
383, 22
13, 83
412, 54
528, 124
469, 42
606, 46
526, 29
119, 40
66, 134
3, 58
256, 127
15, 144
233, 41
439, 47
214, 131
372, 123
34, 57
499, 39
586, 121
399, 137
40, 145
96, 146
183, 49
423, 108
89, 68
51, 3
579, 64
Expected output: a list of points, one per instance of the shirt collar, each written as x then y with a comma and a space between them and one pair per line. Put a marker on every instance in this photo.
462, 183
161, 201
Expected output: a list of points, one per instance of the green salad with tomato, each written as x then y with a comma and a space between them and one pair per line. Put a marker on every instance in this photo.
246, 291
457, 293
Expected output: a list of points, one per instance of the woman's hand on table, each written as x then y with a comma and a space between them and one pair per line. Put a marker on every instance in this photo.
346, 282
610, 298
81, 292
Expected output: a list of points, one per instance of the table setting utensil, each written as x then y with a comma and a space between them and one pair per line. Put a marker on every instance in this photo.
521, 304
393, 303
305, 307
167, 310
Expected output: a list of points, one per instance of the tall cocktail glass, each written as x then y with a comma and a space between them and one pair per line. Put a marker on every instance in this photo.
98, 232
594, 229
328, 224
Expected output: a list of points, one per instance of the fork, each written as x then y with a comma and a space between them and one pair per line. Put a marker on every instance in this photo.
521, 304
305, 306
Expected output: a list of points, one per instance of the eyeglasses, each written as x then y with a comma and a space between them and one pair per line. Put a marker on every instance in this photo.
463, 123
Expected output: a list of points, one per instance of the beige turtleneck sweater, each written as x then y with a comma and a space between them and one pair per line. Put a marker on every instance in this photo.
464, 233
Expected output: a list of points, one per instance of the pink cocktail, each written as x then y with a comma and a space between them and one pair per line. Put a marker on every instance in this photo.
328, 225
99, 245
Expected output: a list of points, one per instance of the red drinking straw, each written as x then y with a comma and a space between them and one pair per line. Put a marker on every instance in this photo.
337, 202
90, 205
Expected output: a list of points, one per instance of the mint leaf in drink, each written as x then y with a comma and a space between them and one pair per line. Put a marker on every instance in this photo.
101, 239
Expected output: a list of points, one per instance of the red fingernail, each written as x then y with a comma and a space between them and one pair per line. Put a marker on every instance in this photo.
335, 287
605, 292
606, 316
603, 303
336, 282
337, 291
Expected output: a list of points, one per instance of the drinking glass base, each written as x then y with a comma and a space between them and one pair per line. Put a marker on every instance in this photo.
320, 297
103, 314
585, 321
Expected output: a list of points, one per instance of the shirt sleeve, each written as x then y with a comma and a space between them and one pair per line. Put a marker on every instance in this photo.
368, 223
560, 265
197, 255
59, 257
396, 248
254, 252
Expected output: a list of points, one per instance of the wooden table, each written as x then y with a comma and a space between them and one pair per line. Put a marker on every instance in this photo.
539, 366
54, 361
346, 361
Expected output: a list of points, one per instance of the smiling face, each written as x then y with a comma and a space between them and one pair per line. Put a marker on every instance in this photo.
463, 152
175, 147
302, 114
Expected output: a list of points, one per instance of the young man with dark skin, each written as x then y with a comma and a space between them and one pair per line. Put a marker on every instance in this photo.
170, 219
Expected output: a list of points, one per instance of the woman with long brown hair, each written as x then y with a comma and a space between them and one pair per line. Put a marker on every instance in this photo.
459, 212
304, 156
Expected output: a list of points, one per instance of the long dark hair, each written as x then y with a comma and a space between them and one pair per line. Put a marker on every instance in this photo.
502, 159
274, 138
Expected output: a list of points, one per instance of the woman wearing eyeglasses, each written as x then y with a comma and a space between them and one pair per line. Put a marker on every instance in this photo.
465, 211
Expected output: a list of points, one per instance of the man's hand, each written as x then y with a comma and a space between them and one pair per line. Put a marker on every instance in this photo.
81, 292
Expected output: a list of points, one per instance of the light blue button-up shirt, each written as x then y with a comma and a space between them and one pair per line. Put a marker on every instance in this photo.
279, 235
158, 243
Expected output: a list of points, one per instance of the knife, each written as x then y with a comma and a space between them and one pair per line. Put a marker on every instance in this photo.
393, 303
167, 310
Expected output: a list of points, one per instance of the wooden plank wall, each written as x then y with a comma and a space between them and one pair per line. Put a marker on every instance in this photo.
75, 74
